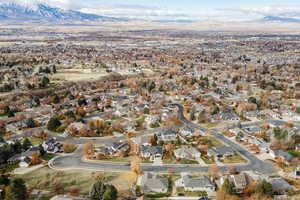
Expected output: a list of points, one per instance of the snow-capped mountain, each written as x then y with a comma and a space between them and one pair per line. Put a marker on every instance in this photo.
43, 12
281, 19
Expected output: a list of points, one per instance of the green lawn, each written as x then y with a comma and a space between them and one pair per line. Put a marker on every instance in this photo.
294, 153
208, 125
207, 160
234, 159
48, 156
211, 141
10, 168
189, 193
188, 162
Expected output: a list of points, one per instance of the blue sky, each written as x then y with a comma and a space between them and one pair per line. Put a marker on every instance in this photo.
214, 10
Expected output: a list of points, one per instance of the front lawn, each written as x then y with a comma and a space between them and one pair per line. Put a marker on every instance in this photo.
210, 141
188, 162
48, 156
234, 159
207, 160
294, 153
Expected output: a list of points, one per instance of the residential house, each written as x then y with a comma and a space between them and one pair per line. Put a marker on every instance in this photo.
220, 152
119, 146
261, 143
186, 152
279, 185
152, 119
151, 183
226, 116
24, 158
137, 142
282, 156
253, 130
190, 183
151, 152
167, 135
52, 146
239, 181
187, 131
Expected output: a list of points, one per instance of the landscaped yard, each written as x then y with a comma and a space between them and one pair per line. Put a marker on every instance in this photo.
234, 159
207, 160
209, 125
180, 190
211, 141
48, 156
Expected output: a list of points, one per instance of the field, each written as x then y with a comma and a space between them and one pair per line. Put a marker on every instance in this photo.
48, 179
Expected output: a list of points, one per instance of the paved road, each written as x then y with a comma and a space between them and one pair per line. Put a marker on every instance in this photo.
75, 160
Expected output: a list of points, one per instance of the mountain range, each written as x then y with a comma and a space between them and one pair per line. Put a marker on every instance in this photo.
43, 12
281, 19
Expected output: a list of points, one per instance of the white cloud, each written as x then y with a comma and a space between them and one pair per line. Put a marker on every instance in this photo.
293, 12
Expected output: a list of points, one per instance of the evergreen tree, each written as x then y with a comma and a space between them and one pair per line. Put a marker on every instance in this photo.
264, 188
110, 193
53, 124
19, 189
30, 123
26, 144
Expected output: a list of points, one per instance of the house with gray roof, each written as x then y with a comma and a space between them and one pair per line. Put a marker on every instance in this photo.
220, 152
284, 156
186, 152
167, 135
190, 183
239, 181
279, 185
151, 183
151, 152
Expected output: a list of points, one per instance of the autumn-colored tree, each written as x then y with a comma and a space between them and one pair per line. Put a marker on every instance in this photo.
80, 111
42, 135
69, 147
35, 158
131, 134
100, 156
250, 189
135, 165
214, 171
169, 148
88, 148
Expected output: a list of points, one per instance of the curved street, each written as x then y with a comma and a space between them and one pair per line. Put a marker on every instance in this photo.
75, 160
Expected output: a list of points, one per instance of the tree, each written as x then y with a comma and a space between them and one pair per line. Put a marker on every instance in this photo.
45, 82
88, 148
9, 195
69, 147
228, 187
97, 191
136, 166
214, 171
110, 193
19, 189
35, 158
26, 144
169, 149
4, 180
30, 123
53, 124
264, 188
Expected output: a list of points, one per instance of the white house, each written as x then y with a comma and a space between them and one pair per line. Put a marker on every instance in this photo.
196, 184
